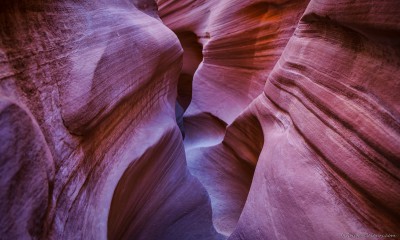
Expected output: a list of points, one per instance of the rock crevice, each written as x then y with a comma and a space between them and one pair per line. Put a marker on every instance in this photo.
289, 112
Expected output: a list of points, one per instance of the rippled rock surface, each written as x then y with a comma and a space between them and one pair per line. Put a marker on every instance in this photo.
293, 126
90, 148
199, 119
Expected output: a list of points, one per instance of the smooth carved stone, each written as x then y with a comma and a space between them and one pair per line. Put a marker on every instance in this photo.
226, 169
328, 163
289, 110
136, 211
241, 42
27, 174
99, 78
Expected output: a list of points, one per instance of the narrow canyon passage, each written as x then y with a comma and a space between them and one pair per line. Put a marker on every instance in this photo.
199, 119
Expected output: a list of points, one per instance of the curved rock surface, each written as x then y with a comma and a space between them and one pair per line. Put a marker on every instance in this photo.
241, 42
87, 98
329, 112
289, 111
318, 147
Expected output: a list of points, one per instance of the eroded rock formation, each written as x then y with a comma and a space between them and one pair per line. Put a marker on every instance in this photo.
89, 144
290, 115
318, 144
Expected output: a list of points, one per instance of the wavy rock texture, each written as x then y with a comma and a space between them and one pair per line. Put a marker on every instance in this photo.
330, 162
241, 41
87, 97
289, 112
318, 147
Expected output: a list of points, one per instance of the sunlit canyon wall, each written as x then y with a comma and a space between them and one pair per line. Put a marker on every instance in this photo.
199, 119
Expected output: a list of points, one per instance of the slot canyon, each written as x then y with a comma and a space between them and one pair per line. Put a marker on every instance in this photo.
200, 119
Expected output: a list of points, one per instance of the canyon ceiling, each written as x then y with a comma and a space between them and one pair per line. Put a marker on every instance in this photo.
199, 119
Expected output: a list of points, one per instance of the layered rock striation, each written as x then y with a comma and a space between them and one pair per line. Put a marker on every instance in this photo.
313, 153
289, 111
90, 148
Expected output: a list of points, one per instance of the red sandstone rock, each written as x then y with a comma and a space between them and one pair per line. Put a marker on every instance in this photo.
292, 119
241, 41
327, 161
329, 112
105, 158
26, 170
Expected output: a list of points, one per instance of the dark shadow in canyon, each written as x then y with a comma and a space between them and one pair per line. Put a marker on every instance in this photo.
192, 57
